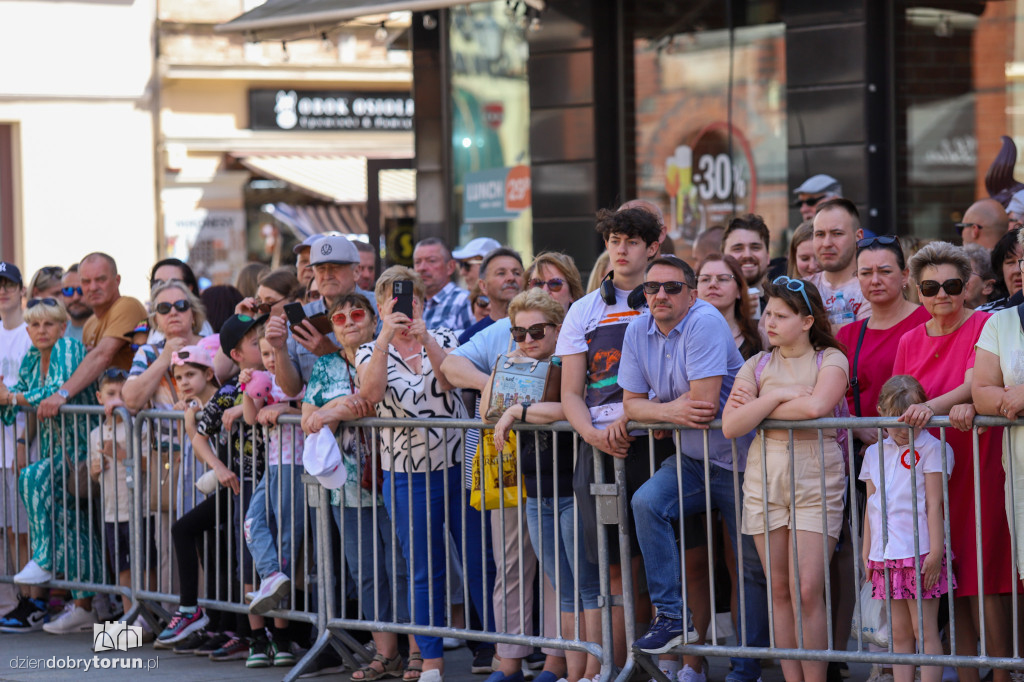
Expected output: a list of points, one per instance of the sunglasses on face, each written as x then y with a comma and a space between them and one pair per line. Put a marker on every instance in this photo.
960, 227
467, 265
357, 315
181, 306
554, 285
40, 301
71, 291
263, 307
953, 287
884, 240
482, 301
810, 201
536, 332
794, 285
652, 288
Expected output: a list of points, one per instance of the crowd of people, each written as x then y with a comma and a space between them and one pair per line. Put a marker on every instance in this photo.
851, 325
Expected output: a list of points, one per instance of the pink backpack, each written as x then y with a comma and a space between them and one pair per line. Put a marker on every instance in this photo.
841, 411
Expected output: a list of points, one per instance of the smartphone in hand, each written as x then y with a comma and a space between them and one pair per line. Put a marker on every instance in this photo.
402, 290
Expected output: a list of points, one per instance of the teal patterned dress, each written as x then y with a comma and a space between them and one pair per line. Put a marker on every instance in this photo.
58, 529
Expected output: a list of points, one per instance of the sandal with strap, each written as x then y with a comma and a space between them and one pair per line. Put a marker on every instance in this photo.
413, 668
390, 666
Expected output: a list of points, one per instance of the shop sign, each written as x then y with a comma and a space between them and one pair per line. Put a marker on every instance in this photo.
497, 194
707, 184
329, 110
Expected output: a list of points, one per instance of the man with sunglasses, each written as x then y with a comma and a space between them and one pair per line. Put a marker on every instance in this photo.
446, 305
74, 302
984, 222
813, 191
836, 233
684, 353
106, 334
471, 256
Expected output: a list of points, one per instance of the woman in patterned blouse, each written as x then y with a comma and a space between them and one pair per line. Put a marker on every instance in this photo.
400, 373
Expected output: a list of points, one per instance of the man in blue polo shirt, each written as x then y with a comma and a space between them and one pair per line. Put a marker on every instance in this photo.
683, 352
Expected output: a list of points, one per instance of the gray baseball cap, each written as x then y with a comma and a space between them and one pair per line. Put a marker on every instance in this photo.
333, 249
819, 184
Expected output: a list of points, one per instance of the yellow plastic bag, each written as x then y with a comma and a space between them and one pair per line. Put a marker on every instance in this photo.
495, 474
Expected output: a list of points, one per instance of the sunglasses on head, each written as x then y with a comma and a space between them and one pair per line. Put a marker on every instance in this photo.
884, 240
811, 201
554, 284
357, 315
115, 373
154, 283
953, 287
536, 331
181, 306
794, 285
71, 291
40, 301
673, 287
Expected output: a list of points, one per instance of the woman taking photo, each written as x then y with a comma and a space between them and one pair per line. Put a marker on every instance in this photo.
939, 354
720, 283
332, 396
400, 374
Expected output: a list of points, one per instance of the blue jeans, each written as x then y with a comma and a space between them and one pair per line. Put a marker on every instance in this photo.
426, 582
541, 516
656, 508
282, 486
356, 527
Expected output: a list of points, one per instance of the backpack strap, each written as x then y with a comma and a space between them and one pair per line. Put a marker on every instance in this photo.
762, 362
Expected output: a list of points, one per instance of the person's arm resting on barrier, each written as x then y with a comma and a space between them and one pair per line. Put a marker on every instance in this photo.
990, 393
574, 377
696, 408
95, 362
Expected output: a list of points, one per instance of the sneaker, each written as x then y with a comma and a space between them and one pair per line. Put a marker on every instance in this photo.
451, 643
283, 656
28, 616
234, 649
32, 574
327, 662
688, 674
73, 619
665, 634
260, 655
535, 661
182, 625
483, 662
431, 676
213, 641
191, 643
271, 592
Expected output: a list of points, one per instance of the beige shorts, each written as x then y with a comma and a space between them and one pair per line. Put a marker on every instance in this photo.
807, 496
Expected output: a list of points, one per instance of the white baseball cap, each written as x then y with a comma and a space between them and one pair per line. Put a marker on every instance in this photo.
321, 458
477, 248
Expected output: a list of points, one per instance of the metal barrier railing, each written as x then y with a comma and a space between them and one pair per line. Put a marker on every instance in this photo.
450, 531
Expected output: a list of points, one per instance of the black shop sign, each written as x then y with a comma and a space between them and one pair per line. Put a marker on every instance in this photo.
329, 110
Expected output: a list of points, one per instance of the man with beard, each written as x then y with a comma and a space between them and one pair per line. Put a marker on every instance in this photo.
836, 232
78, 310
746, 239
501, 278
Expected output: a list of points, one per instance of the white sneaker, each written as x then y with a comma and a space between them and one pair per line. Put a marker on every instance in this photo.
271, 592
74, 619
431, 676
33, 574
452, 643
688, 674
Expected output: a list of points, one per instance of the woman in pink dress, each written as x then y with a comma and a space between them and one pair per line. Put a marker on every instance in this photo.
940, 354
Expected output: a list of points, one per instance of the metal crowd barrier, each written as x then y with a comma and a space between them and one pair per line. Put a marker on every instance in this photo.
157, 458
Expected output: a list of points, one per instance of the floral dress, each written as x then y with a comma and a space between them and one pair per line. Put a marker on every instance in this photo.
59, 529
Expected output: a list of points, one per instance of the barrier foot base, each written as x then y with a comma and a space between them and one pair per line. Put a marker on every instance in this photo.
351, 650
321, 643
647, 662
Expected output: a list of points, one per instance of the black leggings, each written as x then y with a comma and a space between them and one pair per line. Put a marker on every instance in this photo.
188, 536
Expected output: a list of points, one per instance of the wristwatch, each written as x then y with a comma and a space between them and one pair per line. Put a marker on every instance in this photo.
63, 394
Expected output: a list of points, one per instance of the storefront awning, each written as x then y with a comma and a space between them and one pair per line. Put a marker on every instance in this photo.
315, 14
305, 221
337, 179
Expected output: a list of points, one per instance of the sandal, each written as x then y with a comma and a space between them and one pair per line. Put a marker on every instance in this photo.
368, 673
413, 668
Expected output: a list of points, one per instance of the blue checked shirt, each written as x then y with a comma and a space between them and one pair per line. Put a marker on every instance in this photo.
449, 309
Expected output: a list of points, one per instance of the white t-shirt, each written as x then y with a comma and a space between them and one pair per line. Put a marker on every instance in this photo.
898, 501
851, 292
14, 344
593, 327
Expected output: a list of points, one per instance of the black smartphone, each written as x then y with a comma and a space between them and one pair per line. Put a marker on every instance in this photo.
402, 290
295, 314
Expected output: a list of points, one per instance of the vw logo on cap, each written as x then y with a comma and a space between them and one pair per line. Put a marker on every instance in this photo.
325, 250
